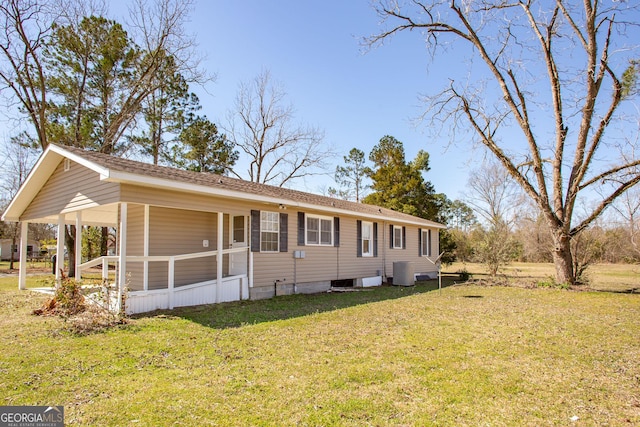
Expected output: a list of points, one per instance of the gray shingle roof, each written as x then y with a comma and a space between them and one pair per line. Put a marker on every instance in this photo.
209, 180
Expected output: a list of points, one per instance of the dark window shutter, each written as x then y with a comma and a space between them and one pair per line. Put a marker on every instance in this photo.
404, 237
429, 242
359, 238
284, 232
391, 238
301, 228
375, 239
255, 231
336, 231
420, 242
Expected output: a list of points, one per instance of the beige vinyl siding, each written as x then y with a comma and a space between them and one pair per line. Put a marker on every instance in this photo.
72, 190
352, 266
411, 253
135, 245
321, 263
182, 200
269, 267
176, 232
179, 222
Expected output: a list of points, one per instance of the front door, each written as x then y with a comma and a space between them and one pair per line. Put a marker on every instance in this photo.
238, 261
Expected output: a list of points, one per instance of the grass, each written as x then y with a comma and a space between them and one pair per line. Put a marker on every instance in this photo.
606, 277
469, 355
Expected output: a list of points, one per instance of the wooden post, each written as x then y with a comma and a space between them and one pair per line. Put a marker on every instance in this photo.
22, 273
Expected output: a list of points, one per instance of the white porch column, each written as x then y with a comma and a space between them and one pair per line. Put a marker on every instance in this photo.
122, 260
250, 270
145, 273
22, 272
60, 249
219, 256
78, 245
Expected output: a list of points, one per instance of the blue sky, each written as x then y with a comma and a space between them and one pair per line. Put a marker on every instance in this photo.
355, 95
314, 49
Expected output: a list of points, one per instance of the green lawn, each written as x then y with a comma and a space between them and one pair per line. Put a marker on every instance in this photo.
469, 355
610, 277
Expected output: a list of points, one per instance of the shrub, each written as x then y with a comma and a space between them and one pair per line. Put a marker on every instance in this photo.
83, 316
464, 275
67, 300
551, 283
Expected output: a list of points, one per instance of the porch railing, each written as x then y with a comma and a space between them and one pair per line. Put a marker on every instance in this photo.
105, 261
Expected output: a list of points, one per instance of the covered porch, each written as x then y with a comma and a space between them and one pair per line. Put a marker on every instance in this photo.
165, 257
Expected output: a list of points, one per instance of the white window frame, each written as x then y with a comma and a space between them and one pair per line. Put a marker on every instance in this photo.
320, 220
426, 242
367, 226
397, 229
269, 226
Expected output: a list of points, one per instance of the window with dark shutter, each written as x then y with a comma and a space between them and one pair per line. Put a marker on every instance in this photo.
425, 242
284, 232
375, 239
398, 237
319, 230
255, 231
359, 238
391, 236
269, 231
366, 238
301, 229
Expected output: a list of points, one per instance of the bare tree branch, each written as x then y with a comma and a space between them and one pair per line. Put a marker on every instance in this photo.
584, 49
262, 126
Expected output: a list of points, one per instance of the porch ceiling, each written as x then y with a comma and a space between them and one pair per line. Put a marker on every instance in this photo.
103, 216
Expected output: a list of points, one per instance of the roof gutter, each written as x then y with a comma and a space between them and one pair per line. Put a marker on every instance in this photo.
130, 178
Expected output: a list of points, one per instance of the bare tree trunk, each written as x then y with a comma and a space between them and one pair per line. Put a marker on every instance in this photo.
104, 241
13, 245
70, 240
562, 257
558, 175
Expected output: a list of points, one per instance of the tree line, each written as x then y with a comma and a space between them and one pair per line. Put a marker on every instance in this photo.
493, 222
546, 89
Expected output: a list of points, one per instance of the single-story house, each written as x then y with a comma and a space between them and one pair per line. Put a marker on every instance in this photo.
7, 246
189, 238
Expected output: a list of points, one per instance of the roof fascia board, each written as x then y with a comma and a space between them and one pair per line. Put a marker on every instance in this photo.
40, 172
137, 179
104, 172
46, 162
